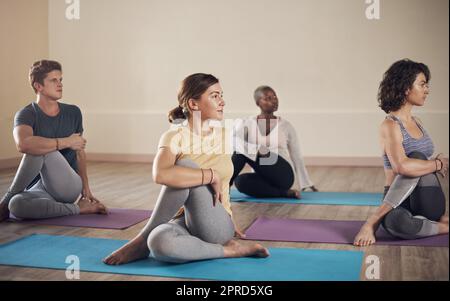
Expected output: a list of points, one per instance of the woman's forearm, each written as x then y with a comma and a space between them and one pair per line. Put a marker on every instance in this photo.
417, 168
183, 177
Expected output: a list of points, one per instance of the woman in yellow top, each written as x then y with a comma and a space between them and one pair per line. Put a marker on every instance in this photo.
192, 219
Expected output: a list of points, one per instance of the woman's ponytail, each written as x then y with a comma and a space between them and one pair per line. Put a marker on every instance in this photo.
177, 115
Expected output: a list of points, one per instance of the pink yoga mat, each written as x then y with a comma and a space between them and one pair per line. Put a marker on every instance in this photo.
116, 219
326, 231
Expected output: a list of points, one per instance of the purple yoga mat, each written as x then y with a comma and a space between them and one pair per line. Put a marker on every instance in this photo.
325, 231
116, 219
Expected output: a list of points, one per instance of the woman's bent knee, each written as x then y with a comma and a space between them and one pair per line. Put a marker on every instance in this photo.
159, 243
401, 223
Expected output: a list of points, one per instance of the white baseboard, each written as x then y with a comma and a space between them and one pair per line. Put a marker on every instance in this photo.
309, 161
344, 161
148, 158
123, 158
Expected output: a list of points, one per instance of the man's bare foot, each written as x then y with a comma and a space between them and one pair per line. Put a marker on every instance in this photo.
4, 212
366, 236
234, 248
87, 207
293, 194
444, 219
134, 250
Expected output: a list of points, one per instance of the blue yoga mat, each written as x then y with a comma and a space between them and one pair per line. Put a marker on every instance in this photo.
316, 198
48, 251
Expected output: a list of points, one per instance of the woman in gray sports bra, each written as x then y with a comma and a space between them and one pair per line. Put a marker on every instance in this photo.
414, 203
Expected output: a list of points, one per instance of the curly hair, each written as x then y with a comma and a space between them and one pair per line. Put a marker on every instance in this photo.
396, 81
260, 91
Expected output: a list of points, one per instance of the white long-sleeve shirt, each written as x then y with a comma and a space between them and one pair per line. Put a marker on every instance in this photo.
282, 140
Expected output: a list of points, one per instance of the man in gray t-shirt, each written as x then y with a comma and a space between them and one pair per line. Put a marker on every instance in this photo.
52, 174
66, 123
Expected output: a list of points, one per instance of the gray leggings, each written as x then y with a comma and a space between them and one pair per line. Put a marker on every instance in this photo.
198, 235
418, 203
55, 193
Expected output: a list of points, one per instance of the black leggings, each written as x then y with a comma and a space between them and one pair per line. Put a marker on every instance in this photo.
416, 217
267, 181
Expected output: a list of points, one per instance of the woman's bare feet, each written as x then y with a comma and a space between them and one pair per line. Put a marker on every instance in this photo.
444, 219
312, 188
234, 248
366, 236
86, 207
134, 250
293, 194
4, 212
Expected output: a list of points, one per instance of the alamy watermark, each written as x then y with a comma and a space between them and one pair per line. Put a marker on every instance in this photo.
373, 10
73, 10
73, 270
237, 131
373, 267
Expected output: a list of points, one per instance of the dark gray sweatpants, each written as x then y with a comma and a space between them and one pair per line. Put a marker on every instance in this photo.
418, 203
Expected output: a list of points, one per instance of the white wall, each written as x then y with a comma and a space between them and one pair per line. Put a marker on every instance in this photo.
24, 40
123, 62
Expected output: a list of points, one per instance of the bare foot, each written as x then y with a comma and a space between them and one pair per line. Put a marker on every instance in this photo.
443, 228
293, 194
4, 212
234, 248
313, 189
87, 207
134, 250
444, 219
366, 236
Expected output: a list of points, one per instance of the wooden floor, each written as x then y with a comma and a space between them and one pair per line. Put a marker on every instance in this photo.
124, 185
